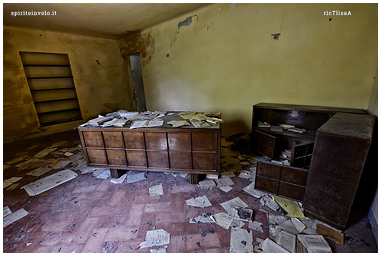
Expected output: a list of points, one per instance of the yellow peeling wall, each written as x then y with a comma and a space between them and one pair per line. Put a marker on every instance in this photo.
98, 71
224, 58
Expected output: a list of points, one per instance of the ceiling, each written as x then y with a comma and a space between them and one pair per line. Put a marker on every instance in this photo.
94, 19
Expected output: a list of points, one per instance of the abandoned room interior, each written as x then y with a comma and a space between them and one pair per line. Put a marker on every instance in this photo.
190, 127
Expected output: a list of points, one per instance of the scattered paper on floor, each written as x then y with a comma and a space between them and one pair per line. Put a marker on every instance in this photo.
156, 190
314, 243
291, 207
6, 211
13, 186
203, 218
286, 240
226, 189
51, 181
253, 192
31, 163
201, 201
105, 174
155, 238
231, 204
10, 218
120, 179
136, 177
237, 224
269, 246
206, 184
223, 182
241, 241
60, 164
222, 219
40, 171
88, 170
44, 152
10, 181
160, 250
257, 226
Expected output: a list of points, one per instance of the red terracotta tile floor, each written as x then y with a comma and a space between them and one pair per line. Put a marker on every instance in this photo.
93, 215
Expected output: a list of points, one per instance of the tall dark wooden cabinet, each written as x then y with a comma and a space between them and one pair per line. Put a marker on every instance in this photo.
341, 148
327, 159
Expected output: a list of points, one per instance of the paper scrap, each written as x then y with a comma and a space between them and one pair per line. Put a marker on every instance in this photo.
329, 233
227, 174
105, 174
136, 177
6, 211
269, 246
314, 242
253, 192
160, 250
237, 224
60, 164
206, 184
45, 152
241, 241
242, 214
120, 179
178, 123
40, 171
156, 190
15, 216
51, 181
223, 182
10, 181
201, 201
222, 219
291, 207
31, 163
203, 218
286, 240
230, 205
155, 238
13, 186
15, 160
88, 170
245, 174
226, 189
257, 226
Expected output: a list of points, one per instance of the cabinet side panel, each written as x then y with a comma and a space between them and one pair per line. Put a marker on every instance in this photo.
157, 159
136, 158
116, 157
335, 171
267, 185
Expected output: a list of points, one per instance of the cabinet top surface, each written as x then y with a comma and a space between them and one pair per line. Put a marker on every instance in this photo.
308, 108
351, 125
170, 116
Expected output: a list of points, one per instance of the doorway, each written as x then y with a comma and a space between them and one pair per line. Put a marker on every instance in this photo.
137, 81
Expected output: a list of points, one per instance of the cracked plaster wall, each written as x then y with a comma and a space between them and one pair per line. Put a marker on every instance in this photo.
223, 57
98, 72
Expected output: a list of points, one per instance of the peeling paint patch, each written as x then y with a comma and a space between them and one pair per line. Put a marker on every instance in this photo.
232, 6
186, 22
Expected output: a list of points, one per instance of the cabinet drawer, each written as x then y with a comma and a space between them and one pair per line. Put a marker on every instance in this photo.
265, 184
113, 140
295, 176
290, 191
264, 143
268, 170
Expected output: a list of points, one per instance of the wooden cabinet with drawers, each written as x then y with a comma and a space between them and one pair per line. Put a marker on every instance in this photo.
326, 161
164, 149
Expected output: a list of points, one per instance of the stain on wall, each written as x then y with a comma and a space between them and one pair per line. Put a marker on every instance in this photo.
228, 60
100, 78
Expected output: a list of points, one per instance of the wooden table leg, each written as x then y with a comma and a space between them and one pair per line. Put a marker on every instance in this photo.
115, 173
193, 178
